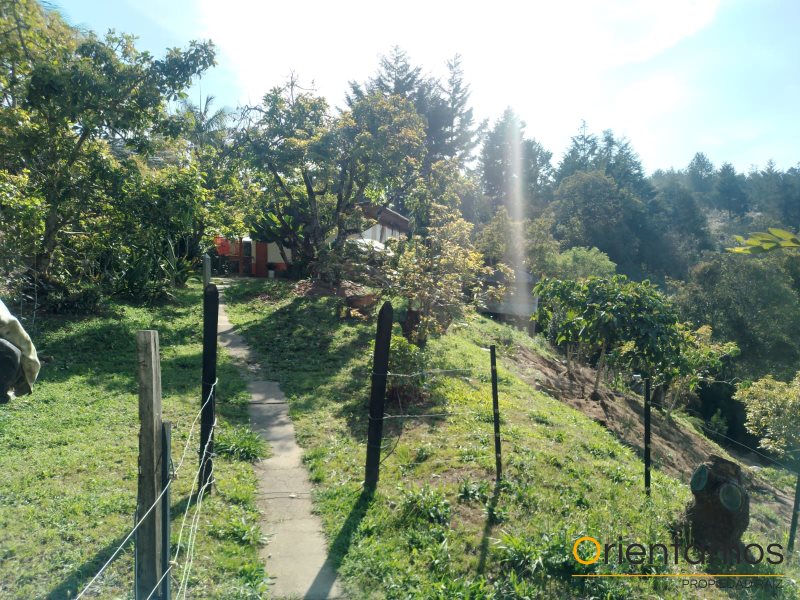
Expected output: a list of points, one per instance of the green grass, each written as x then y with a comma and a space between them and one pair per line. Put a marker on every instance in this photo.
437, 526
68, 460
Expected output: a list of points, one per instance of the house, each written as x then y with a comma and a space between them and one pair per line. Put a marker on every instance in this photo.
250, 257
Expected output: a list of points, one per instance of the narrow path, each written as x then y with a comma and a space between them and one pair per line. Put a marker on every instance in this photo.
296, 555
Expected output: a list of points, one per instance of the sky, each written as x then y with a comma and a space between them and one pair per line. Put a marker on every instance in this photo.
675, 77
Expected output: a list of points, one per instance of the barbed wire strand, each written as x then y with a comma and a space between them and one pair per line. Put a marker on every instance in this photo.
195, 480
193, 540
125, 541
180, 535
715, 432
428, 372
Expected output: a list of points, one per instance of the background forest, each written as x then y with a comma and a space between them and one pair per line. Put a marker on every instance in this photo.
113, 184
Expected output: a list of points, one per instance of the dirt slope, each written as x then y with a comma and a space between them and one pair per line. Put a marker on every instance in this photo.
676, 447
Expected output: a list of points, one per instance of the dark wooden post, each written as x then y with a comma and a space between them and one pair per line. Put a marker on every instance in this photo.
796, 508
647, 436
498, 459
380, 369
209, 392
149, 535
166, 476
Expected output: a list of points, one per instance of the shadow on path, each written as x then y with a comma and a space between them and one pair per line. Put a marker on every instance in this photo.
340, 546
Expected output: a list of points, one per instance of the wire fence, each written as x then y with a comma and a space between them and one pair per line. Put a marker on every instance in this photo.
715, 432
195, 519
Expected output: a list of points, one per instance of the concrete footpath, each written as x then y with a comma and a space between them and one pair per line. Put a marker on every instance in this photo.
296, 555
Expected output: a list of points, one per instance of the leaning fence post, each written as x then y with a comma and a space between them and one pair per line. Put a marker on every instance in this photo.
149, 535
209, 393
795, 510
647, 436
166, 517
498, 459
380, 370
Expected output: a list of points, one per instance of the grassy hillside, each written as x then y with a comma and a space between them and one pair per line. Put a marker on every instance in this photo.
438, 527
68, 461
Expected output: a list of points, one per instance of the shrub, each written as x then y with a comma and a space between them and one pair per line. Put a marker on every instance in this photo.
406, 359
239, 443
425, 504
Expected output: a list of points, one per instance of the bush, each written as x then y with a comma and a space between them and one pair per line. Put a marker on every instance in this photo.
406, 359
239, 443
425, 504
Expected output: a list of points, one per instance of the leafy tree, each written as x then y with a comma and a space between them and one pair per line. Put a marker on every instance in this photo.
206, 127
70, 95
579, 263
676, 230
450, 134
316, 168
580, 156
541, 247
591, 211
461, 134
619, 161
494, 238
504, 240
773, 413
632, 320
728, 293
614, 157
439, 274
702, 360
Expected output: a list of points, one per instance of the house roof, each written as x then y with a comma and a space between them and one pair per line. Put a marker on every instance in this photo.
386, 216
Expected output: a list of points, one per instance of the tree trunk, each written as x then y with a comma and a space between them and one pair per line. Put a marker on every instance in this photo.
410, 326
52, 226
600, 364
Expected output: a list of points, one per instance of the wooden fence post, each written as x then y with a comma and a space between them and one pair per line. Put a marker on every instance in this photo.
498, 460
209, 392
647, 436
380, 369
206, 270
795, 510
166, 517
149, 536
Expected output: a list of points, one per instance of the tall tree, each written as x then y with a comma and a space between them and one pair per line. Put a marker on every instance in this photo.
461, 135
515, 172
730, 193
580, 156
700, 173
592, 211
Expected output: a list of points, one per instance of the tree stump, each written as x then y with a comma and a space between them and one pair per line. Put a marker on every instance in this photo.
720, 511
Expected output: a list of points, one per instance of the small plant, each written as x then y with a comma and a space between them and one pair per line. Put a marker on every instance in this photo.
407, 364
427, 504
517, 554
718, 424
423, 453
473, 491
239, 443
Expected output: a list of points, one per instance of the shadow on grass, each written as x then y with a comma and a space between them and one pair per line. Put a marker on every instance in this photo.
487, 528
72, 585
340, 546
